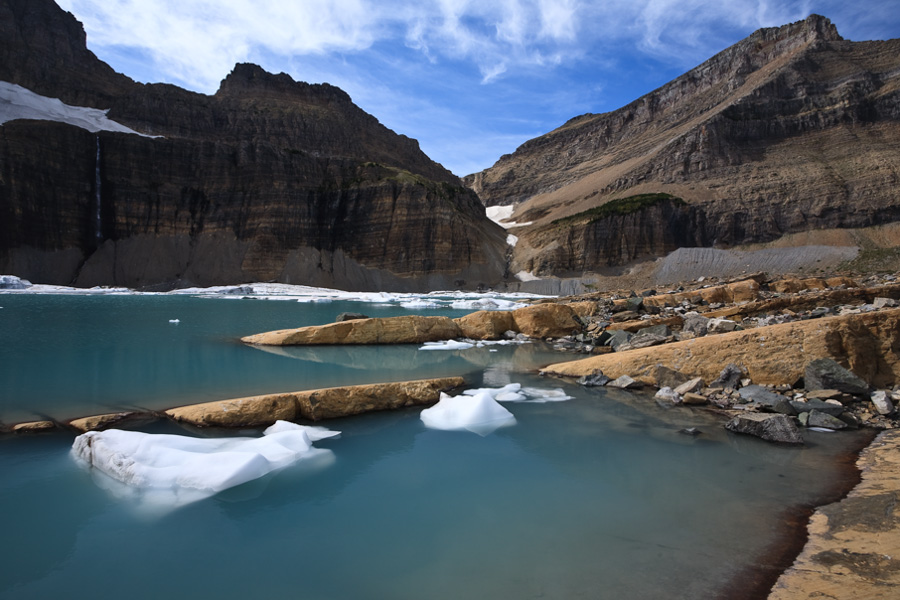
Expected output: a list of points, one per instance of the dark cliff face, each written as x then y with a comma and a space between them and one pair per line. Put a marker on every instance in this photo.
268, 179
791, 129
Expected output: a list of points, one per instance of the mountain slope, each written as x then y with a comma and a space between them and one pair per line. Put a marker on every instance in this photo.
791, 129
268, 179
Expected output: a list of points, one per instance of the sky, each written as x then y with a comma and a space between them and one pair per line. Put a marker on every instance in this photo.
470, 79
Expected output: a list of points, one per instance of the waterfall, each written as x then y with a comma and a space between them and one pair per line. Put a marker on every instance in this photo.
98, 230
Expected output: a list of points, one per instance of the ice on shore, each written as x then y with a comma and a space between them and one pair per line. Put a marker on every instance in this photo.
17, 102
11, 282
479, 414
167, 471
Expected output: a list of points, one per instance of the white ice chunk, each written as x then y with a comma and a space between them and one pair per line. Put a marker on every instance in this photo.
419, 303
17, 102
479, 414
176, 321
514, 392
526, 276
174, 470
512, 240
447, 345
11, 282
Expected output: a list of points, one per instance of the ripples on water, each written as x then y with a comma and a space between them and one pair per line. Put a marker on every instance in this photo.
596, 497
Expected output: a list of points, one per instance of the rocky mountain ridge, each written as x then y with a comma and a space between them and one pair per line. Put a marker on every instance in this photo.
792, 129
268, 179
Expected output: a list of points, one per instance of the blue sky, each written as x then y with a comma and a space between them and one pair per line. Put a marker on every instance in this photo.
469, 79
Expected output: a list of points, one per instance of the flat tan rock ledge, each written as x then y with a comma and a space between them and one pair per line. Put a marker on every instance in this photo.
865, 343
264, 410
314, 405
540, 320
853, 549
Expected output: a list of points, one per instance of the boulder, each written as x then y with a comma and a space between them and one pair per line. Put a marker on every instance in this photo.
546, 320
810, 405
486, 324
718, 325
883, 404
660, 329
820, 419
729, 378
884, 303
349, 316
595, 379
626, 383
585, 309
694, 399
690, 386
643, 340
667, 394
617, 338
743, 291
409, 329
666, 377
264, 410
770, 427
695, 324
825, 373
761, 395
775, 354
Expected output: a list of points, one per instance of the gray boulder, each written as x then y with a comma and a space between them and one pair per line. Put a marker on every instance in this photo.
626, 383
666, 377
722, 326
696, 324
882, 403
349, 316
661, 330
729, 378
644, 340
826, 407
826, 374
595, 379
690, 386
617, 338
819, 419
769, 427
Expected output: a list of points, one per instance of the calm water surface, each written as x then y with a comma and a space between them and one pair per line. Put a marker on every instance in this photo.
598, 497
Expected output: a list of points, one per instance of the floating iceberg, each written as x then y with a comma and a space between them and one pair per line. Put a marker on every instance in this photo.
167, 471
479, 414
447, 345
514, 392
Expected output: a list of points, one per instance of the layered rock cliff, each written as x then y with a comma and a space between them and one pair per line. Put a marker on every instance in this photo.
792, 129
268, 179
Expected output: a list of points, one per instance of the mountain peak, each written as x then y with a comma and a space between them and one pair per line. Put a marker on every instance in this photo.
250, 78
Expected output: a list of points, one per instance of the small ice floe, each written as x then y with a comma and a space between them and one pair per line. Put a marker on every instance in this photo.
447, 345
162, 471
514, 392
479, 413
176, 321
487, 304
420, 304
821, 429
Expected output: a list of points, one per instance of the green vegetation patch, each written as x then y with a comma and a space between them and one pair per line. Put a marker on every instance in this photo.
619, 207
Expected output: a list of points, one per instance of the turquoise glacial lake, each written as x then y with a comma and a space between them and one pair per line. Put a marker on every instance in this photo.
596, 497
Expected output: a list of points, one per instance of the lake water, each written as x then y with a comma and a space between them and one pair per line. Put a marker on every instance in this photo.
596, 497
